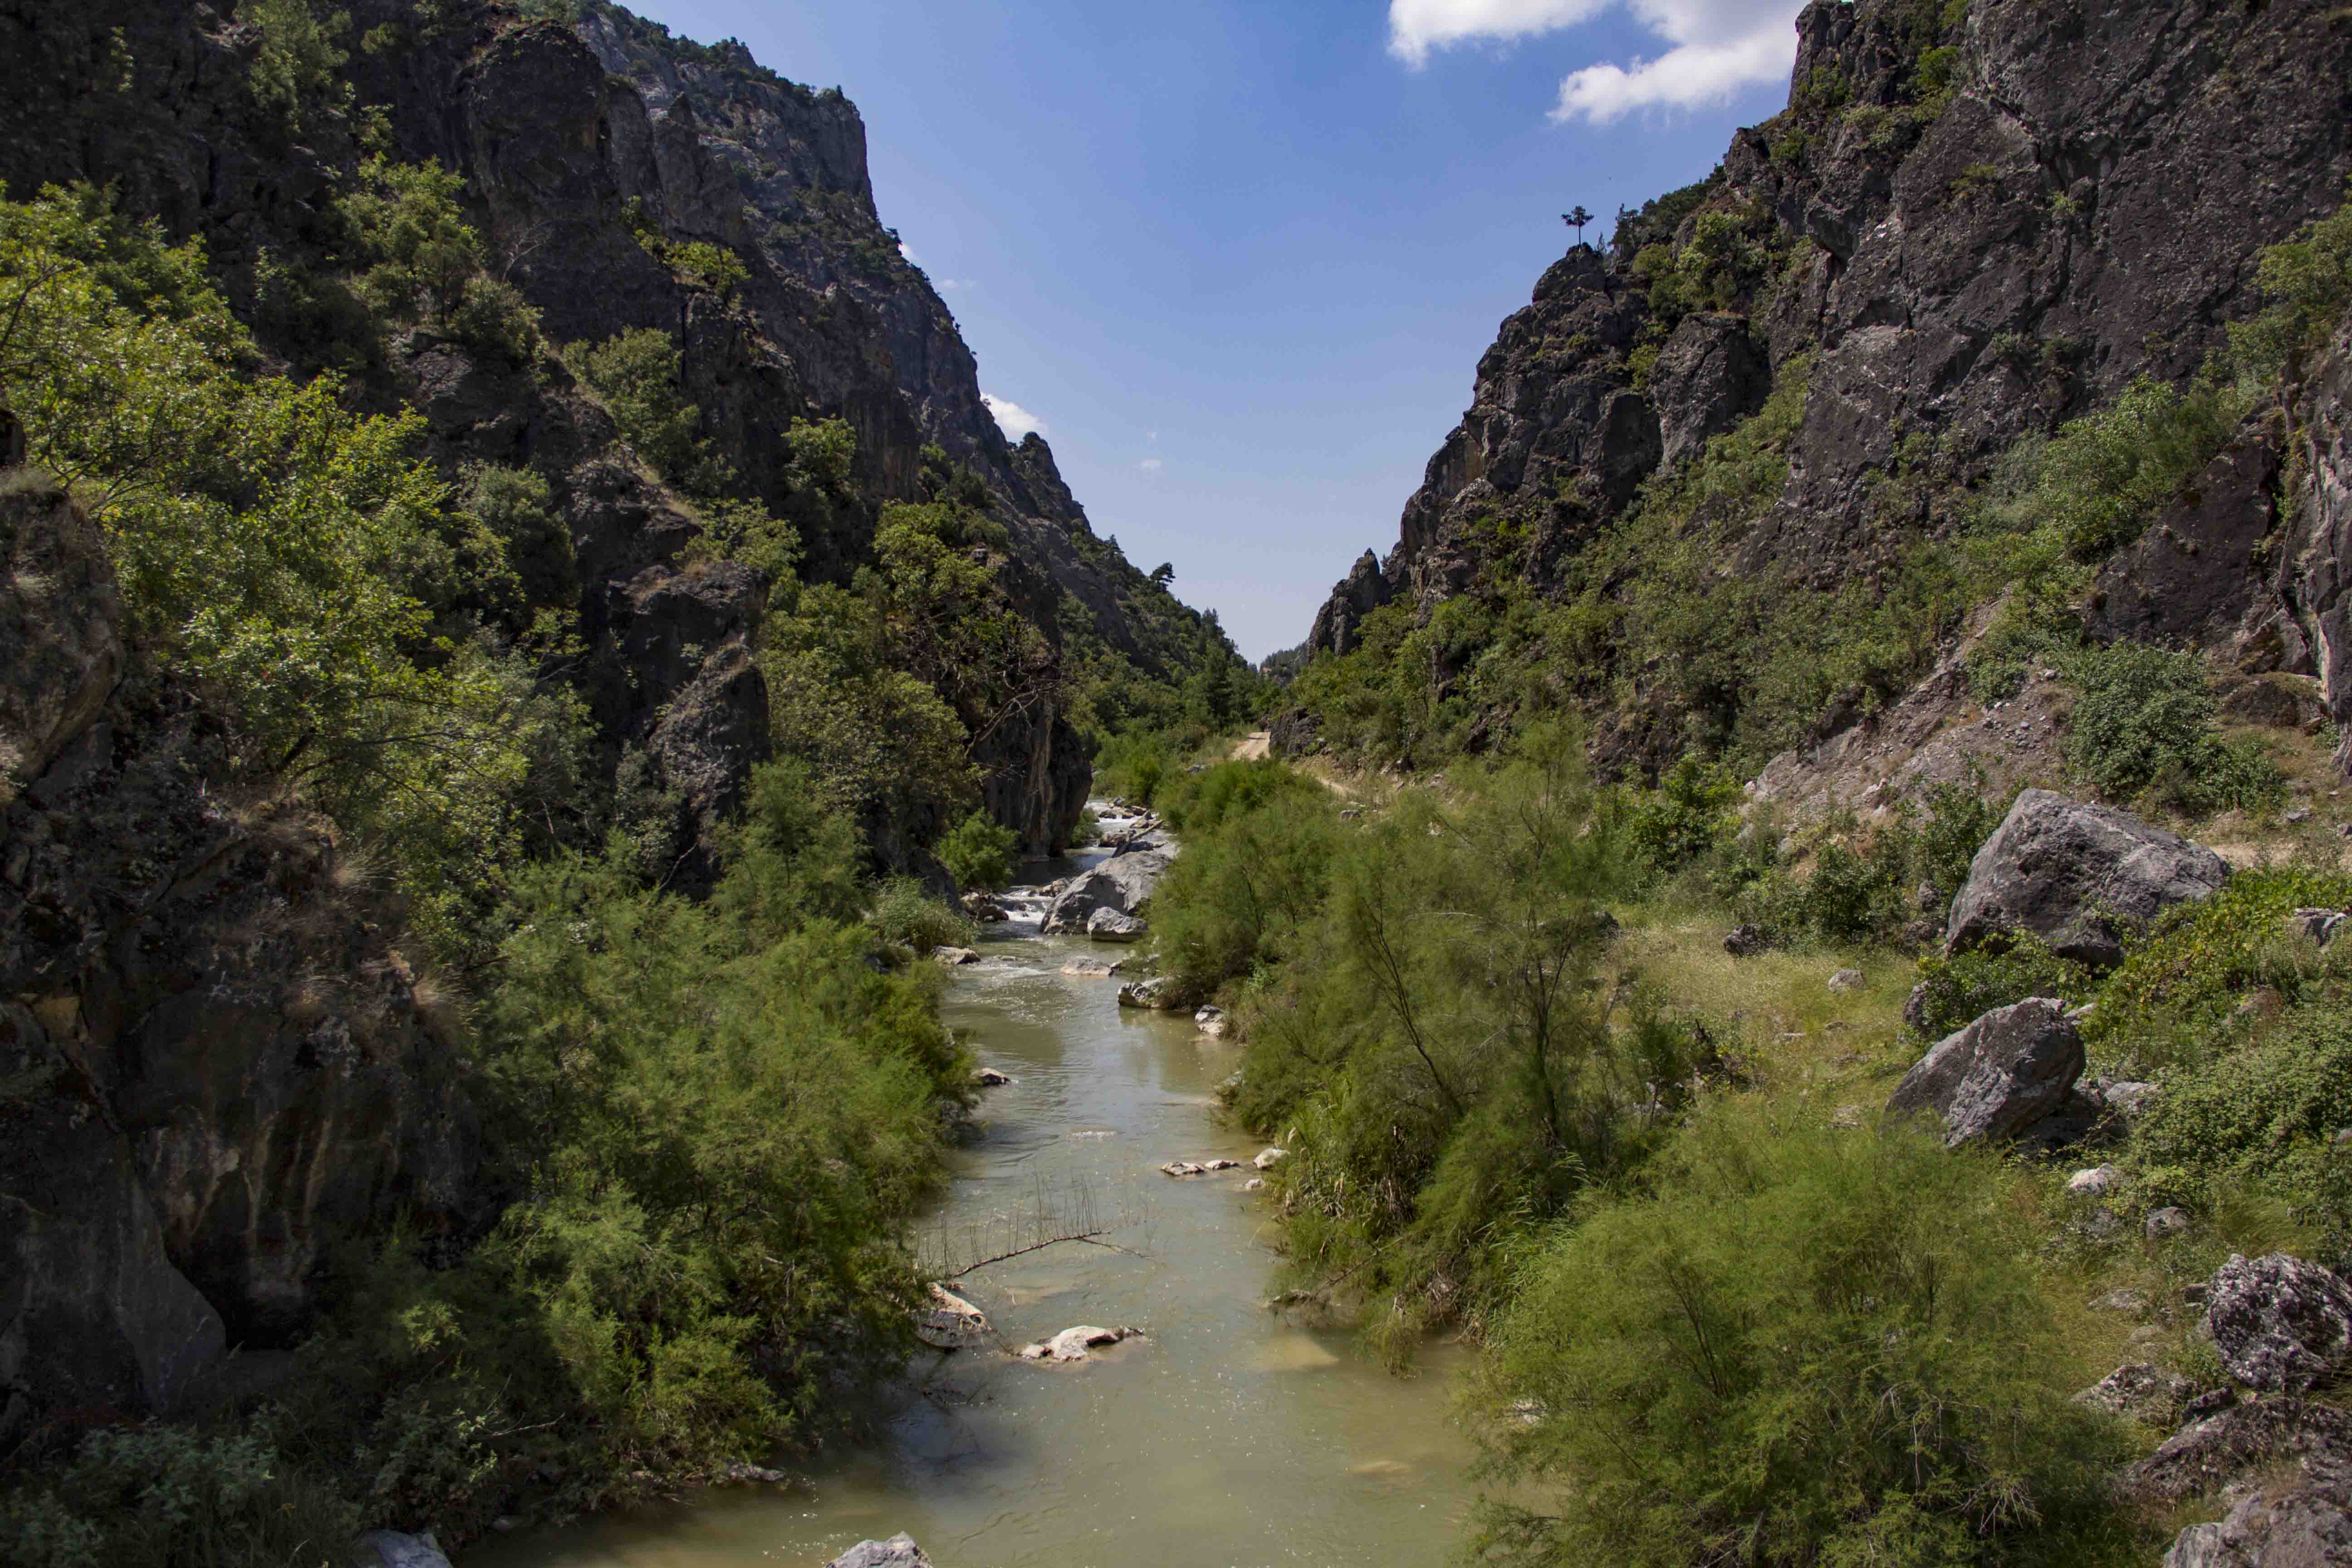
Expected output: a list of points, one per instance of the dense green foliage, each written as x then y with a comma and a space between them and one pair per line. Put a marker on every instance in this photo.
978, 852
2145, 725
299, 562
1804, 1346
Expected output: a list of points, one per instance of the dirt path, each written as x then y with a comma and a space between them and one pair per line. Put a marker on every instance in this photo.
1252, 746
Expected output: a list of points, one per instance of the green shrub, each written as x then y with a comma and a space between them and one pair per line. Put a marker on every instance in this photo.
2145, 724
1809, 1346
906, 914
2105, 475
2308, 281
2266, 1116
635, 374
295, 73
1967, 986
157, 1497
295, 561
1253, 876
1690, 814
2179, 982
979, 854
426, 263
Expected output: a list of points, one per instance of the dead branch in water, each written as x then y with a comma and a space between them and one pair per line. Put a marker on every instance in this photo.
1049, 1213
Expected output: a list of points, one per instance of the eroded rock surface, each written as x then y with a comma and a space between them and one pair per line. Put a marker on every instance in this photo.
2078, 876
2278, 1322
1997, 1077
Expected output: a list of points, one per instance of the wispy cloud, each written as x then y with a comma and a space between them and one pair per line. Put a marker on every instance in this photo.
1151, 465
1015, 421
1716, 47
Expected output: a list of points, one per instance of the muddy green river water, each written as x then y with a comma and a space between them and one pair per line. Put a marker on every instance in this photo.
1227, 1437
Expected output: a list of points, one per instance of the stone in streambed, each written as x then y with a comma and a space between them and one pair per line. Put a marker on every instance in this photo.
1072, 1343
952, 1323
389, 1548
898, 1552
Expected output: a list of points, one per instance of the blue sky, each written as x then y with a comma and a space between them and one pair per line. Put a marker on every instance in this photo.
1239, 260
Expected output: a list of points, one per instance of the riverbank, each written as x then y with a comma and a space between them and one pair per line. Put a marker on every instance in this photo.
1226, 1434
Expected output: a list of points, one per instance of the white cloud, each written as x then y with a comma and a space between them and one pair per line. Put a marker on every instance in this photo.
1151, 465
1717, 47
950, 285
1417, 26
1015, 421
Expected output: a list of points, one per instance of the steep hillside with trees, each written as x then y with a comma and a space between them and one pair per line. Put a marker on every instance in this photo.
515, 602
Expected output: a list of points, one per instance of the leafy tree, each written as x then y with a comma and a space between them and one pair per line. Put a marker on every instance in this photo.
978, 852
1576, 218
635, 374
428, 265
295, 74
291, 558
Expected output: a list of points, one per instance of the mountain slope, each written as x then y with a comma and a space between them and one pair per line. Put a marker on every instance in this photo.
1973, 224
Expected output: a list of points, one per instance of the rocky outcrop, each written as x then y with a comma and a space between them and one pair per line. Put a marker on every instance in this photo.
1995, 1078
2304, 625
2139, 1392
2281, 1524
1965, 229
586, 155
2192, 576
2210, 1453
60, 626
1359, 593
219, 1068
2278, 1322
2080, 877
1710, 375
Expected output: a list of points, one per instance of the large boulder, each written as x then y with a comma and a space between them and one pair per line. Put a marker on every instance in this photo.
1122, 884
2279, 1324
1997, 1077
2076, 876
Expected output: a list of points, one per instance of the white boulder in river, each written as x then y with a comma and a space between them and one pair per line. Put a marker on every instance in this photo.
898, 1552
1072, 1344
1121, 883
389, 1548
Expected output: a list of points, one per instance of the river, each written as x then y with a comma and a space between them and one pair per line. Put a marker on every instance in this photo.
1225, 1437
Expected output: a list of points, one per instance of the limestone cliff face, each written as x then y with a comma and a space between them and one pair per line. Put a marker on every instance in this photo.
1976, 229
